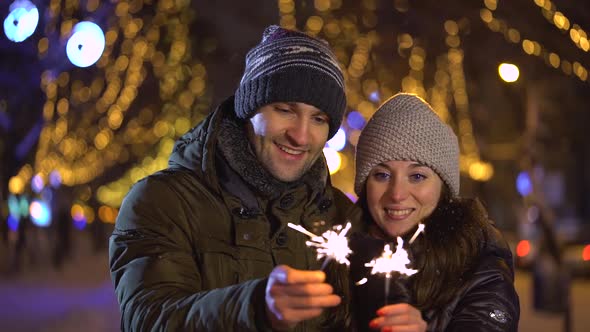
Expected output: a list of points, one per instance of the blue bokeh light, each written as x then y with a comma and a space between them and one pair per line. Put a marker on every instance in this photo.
524, 184
55, 179
352, 197
80, 224
374, 96
86, 44
22, 20
355, 120
12, 222
338, 141
40, 213
37, 183
79, 220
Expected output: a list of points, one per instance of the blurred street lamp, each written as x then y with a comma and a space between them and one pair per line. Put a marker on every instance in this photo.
508, 72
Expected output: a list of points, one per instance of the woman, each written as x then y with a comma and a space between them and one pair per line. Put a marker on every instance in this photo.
407, 164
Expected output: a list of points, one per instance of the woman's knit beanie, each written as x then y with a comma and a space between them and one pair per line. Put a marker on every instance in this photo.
406, 128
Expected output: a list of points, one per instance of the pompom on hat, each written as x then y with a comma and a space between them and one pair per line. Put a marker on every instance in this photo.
405, 127
290, 66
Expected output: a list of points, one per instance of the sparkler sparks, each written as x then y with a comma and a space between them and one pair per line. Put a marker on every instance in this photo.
332, 244
390, 262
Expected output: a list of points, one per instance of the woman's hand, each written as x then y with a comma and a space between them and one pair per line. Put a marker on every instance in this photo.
398, 317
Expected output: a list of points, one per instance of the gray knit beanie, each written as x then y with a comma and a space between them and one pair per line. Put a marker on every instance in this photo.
290, 66
406, 128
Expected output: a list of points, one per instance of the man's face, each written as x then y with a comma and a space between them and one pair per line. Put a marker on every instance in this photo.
288, 138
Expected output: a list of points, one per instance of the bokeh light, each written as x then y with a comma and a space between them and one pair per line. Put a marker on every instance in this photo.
12, 222
86, 44
523, 248
508, 72
78, 217
14, 206
338, 141
37, 183
586, 253
40, 213
355, 120
22, 20
55, 179
374, 96
524, 184
333, 159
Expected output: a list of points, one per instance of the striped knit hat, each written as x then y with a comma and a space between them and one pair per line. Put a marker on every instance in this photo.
290, 66
406, 128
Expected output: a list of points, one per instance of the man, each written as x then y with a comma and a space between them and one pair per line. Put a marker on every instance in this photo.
204, 244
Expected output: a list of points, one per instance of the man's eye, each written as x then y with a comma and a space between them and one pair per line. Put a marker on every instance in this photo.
282, 110
320, 120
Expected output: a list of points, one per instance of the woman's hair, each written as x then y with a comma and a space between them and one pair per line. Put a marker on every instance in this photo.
454, 236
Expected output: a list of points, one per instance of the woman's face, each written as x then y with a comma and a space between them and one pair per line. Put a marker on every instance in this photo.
400, 194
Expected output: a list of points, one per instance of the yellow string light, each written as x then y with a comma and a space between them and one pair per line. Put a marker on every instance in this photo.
366, 76
535, 48
577, 34
88, 129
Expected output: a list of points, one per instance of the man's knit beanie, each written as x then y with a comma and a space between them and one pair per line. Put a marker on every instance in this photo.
290, 66
406, 128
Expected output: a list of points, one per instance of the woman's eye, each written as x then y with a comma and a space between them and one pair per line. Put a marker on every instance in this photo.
417, 177
381, 176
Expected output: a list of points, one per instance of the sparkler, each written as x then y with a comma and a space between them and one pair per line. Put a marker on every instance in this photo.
332, 244
418, 231
390, 262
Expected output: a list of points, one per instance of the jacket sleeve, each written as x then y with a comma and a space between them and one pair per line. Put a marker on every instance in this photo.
155, 272
489, 302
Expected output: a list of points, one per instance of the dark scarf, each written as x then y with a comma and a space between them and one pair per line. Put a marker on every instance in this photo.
236, 149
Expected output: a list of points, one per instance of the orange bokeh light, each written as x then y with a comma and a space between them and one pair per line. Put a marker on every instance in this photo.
523, 248
586, 253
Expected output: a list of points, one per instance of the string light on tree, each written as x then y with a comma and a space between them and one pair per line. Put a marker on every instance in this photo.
577, 34
535, 48
95, 122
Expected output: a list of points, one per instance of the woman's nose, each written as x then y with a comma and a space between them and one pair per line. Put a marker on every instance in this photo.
398, 190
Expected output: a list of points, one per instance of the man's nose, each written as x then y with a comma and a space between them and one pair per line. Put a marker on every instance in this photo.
299, 132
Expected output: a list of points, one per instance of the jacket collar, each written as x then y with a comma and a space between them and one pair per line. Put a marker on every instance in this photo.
236, 149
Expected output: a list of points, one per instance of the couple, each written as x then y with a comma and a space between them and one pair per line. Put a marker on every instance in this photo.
204, 244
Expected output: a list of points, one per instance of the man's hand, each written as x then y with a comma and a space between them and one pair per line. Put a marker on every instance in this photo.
294, 295
398, 317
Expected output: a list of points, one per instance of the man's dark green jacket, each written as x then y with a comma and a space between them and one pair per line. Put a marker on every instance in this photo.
193, 244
